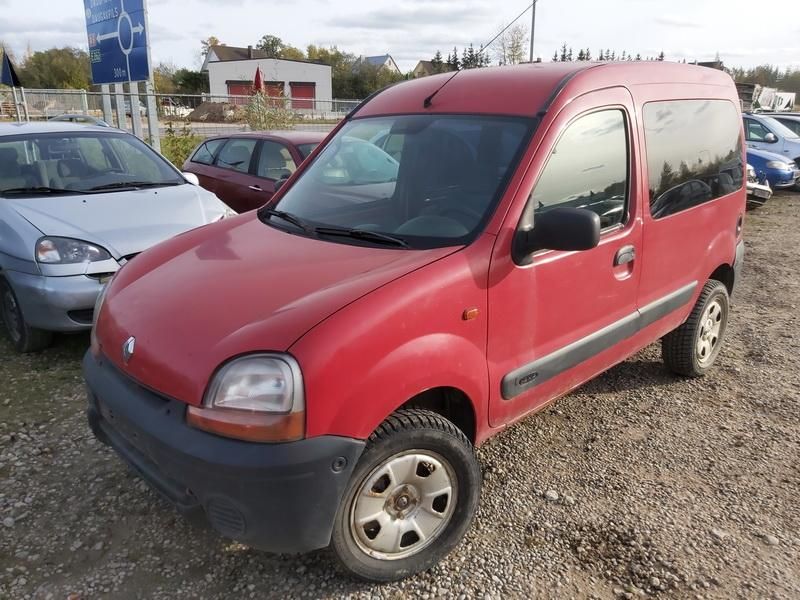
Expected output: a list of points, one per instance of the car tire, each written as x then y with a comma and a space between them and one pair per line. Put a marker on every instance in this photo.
691, 349
24, 337
398, 516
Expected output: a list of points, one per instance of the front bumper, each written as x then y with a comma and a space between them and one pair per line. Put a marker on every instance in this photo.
276, 497
56, 303
786, 179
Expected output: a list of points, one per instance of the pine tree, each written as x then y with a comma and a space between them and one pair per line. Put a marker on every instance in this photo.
564, 52
437, 62
661, 56
624, 55
454, 63
569, 54
602, 54
613, 56
588, 54
638, 57
581, 55
555, 56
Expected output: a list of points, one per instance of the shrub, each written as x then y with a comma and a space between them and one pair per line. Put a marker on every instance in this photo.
176, 145
267, 112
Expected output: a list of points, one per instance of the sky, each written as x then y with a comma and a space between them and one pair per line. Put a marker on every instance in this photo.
411, 30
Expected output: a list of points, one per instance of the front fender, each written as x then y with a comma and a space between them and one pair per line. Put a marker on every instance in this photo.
409, 336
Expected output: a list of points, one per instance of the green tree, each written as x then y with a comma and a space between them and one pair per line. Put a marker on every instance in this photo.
190, 82
581, 55
453, 63
57, 68
272, 45
563, 55
437, 63
661, 56
555, 56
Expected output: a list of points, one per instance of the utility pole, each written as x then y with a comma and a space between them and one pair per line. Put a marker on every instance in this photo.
533, 25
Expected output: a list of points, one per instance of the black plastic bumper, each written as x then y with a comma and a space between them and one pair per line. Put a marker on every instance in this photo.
275, 497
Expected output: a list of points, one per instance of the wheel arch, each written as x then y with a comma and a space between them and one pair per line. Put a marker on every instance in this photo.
451, 403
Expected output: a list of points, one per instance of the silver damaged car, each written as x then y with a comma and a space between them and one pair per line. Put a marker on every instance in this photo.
76, 203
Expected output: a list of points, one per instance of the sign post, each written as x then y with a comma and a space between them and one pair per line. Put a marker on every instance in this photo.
119, 52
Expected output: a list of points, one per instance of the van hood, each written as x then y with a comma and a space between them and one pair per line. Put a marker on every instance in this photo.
232, 288
123, 222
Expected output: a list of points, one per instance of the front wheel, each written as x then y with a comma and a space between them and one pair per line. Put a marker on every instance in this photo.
411, 498
24, 337
692, 348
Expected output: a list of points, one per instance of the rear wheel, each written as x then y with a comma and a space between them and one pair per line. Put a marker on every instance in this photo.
692, 348
411, 498
24, 337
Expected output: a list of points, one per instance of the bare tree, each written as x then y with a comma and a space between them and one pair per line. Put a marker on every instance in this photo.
511, 47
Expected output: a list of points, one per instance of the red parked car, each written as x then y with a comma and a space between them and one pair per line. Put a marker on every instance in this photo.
243, 169
319, 371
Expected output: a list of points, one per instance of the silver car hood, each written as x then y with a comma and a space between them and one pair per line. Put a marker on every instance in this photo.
124, 222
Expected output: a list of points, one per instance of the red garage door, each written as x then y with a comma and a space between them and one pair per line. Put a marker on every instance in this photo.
239, 88
303, 94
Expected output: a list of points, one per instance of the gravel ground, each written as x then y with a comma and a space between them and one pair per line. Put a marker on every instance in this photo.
637, 485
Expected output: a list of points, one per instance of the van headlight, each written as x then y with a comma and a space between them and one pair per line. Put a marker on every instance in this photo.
258, 398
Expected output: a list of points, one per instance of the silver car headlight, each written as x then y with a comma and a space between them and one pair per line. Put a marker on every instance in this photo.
258, 397
66, 251
779, 165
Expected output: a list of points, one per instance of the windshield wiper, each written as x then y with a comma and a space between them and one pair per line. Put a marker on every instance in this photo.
40, 190
133, 184
288, 217
363, 234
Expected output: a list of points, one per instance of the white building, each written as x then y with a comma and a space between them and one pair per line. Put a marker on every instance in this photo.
231, 72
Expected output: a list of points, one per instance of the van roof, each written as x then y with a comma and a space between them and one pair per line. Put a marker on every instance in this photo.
527, 89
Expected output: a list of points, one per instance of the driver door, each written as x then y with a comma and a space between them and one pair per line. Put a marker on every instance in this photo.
558, 320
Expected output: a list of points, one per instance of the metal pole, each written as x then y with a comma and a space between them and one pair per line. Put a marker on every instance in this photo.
16, 104
24, 104
533, 25
108, 114
84, 102
149, 86
136, 116
119, 97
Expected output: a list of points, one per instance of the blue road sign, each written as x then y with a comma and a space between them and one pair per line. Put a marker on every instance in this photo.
117, 40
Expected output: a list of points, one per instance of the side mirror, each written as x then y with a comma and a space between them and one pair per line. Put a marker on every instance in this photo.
569, 229
771, 138
191, 178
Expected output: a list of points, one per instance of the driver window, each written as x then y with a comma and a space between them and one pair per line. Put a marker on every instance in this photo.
756, 132
588, 168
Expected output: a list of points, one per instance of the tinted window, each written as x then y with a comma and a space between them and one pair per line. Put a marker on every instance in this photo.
755, 131
274, 161
449, 176
694, 153
306, 149
588, 168
793, 124
236, 154
206, 152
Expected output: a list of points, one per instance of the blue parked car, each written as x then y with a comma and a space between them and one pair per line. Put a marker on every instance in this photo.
780, 171
763, 132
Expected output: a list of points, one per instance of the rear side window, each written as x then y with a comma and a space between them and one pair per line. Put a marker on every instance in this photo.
274, 161
694, 153
588, 168
236, 154
755, 131
793, 124
206, 152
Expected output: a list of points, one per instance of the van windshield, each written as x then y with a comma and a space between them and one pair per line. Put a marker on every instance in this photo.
425, 181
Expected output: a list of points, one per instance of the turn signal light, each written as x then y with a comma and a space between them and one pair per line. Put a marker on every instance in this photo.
249, 426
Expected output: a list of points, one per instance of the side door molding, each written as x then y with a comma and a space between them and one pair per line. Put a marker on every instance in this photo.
537, 372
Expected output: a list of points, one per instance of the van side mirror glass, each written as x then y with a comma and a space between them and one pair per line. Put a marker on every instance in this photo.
771, 138
561, 228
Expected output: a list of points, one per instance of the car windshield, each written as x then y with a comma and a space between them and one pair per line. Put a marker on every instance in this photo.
80, 162
306, 149
425, 180
780, 129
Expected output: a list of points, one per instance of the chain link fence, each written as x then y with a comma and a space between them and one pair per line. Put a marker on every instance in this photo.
196, 115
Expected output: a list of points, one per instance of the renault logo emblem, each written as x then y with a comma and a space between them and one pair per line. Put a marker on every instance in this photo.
128, 348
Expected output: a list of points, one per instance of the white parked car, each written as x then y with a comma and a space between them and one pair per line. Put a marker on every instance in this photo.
76, 203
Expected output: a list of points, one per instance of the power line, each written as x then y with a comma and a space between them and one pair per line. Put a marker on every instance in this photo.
504, 29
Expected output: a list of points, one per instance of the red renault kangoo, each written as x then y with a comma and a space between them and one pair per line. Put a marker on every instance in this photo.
462, 250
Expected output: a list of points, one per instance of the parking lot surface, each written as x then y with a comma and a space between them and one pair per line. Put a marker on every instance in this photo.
638, 484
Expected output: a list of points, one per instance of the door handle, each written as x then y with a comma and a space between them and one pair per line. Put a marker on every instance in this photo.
624, 255
255, 188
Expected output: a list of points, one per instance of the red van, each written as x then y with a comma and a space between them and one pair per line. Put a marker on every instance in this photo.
461, 251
